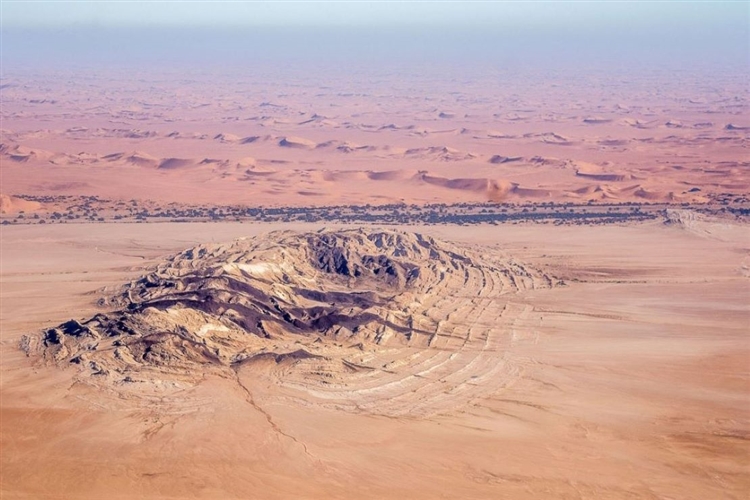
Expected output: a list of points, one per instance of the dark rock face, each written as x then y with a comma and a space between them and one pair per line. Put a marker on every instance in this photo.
335, 259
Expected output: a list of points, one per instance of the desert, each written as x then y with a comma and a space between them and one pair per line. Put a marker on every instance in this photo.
629, 368
410, 263
518, 138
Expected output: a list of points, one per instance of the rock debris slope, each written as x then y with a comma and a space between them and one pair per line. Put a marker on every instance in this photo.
380, 321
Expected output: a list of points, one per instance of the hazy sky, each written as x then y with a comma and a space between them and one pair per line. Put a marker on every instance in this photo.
148, 29
574, 15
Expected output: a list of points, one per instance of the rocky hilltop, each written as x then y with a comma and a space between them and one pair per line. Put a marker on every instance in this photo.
332, 301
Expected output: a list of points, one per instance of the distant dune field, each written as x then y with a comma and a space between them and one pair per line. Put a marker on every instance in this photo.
285, 139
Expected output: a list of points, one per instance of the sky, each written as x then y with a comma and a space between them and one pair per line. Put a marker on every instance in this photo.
584, 15
128, 30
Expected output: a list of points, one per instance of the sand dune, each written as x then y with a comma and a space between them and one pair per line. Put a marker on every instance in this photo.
613, 142
391, 175
246, 162
142, 160
215, 162
489, 189
135, 158
187, 135
598, 173
227, 138
23, 154
499, 135
254, 172
448, 131
14, 205
175, 163
476, 185
532, 193
390, 126
138, 134
612, 177
253, 139
296, 142
593, 189
641, 124
553, 138
348, 147
651, 194
513, 117
499, 159
596, 120
443, 153
319, 120
339, 176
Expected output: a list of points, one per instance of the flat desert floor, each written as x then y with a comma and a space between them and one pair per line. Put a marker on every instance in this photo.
627, 380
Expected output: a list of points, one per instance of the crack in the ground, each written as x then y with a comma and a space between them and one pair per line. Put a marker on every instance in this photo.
251, 401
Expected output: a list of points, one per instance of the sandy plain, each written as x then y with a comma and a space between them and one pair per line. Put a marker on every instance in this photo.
629, 382
626, 379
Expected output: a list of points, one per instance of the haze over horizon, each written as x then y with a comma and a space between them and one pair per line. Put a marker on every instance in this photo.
673, 33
